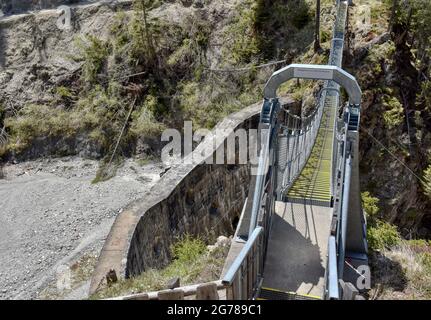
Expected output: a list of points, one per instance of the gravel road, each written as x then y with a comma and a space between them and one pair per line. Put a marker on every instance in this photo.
51, 214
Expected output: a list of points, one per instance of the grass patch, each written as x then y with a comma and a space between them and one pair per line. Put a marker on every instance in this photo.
192, 263
402, 272
39, 121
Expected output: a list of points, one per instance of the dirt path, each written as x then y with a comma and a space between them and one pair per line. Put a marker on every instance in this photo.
51, 215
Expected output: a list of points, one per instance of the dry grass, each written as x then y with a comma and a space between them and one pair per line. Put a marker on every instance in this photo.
193, 263
80, 272
402, 272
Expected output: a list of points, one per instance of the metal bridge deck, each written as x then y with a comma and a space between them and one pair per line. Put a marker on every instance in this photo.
297, 249
313, 186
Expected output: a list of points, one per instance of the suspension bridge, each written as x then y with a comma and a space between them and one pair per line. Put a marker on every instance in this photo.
303, 232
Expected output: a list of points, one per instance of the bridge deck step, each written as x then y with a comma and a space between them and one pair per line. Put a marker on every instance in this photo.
297, 248
275, 294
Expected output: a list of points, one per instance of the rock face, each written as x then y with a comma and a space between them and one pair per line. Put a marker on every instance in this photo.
389, 153
36, 56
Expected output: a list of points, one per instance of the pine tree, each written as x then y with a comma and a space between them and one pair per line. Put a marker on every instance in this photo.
317, 28
144, 31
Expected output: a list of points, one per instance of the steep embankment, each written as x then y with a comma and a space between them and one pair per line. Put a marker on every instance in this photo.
395, 140
163, 66
388, 55
38, 64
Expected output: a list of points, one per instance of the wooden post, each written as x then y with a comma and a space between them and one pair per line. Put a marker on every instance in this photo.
349, 291
142, 296
176, 294
207, 291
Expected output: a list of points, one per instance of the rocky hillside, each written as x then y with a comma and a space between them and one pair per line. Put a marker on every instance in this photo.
391, 65
13, 6
390, 57
138, 65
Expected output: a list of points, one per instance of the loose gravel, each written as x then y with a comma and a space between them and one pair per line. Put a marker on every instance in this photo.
51, 213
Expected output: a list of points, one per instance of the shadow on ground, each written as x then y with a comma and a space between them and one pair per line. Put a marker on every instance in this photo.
304, 266
386, 274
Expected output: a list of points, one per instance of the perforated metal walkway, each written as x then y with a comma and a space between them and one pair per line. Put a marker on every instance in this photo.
313, 186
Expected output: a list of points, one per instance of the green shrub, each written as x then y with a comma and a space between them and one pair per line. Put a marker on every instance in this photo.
102, 107
424, 95
377, 55
302, 16
64, 93
39, 121
94, 53
426, 182
394, 114
370, 205
143, 120
144, 34
242, 41
118, 30
187, 250
193, 35
325, 36
425, 258
382, 235
419, 243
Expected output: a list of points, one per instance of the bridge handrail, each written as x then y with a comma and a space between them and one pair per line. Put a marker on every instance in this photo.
300, 159
332, 271
248, 261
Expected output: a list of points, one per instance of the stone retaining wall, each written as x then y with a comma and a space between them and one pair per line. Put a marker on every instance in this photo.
201, 199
